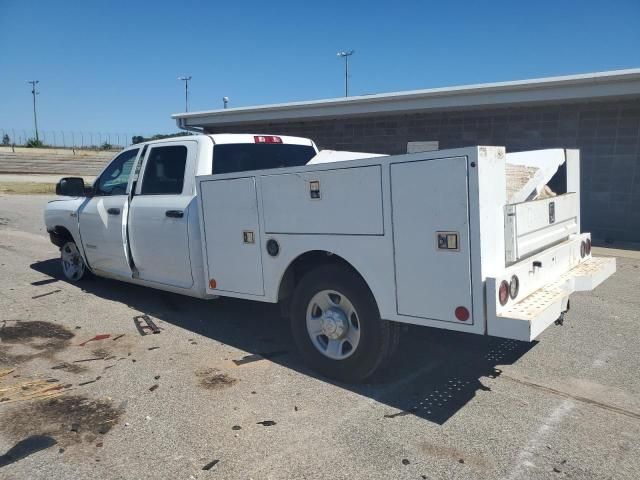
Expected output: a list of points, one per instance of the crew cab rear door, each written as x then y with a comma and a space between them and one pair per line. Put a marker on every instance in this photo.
158, 225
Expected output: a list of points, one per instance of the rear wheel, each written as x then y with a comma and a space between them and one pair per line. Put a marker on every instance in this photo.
73, 265
336, 324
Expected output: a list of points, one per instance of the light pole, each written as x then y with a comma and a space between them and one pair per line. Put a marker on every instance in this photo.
34, 93
186, 91
346, 56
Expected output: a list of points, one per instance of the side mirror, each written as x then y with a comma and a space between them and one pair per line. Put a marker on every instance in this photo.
71, 187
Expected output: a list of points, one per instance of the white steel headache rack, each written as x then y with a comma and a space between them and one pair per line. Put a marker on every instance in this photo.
448, 239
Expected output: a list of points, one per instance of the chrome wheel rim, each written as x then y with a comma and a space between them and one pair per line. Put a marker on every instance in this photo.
72, 263
333, 324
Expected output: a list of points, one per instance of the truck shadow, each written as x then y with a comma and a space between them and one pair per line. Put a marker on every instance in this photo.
433, 375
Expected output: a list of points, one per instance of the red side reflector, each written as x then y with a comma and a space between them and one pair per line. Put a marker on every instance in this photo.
267, 139
212, 284
462, 314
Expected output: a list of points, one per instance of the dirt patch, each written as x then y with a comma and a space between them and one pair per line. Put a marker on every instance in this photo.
453, 454
27, 331
24, 341
214, 379
69, 419
70, 367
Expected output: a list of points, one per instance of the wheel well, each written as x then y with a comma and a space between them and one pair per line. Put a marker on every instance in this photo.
60, 235
303, 264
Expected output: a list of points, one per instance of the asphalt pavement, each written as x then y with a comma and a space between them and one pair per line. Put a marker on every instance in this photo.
221, 393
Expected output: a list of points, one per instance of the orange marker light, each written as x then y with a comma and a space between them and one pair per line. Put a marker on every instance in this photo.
212, 284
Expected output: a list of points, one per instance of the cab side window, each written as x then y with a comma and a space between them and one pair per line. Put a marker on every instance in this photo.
164, 172
115, 178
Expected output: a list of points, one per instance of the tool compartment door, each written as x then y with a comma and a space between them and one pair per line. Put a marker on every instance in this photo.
429, 197
232, 235
535, 225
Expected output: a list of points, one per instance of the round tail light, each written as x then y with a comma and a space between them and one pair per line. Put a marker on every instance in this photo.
503, 293
588, 244
462, 314
514, 287
583, 249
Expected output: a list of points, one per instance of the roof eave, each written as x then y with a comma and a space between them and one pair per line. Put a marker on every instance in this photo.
595, 86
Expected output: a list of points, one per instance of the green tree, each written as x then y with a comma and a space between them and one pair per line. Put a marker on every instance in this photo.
6, 140
33, 143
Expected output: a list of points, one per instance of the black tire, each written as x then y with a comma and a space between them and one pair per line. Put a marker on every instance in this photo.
376, 339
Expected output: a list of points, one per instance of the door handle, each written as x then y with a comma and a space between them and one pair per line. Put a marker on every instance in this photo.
174, 213
113, 211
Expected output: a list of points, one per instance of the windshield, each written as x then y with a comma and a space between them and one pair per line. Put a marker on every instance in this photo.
240, 157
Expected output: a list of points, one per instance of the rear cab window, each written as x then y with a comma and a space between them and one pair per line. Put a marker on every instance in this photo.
241, 157
164, 171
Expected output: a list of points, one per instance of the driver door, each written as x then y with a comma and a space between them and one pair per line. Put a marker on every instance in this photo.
101, 218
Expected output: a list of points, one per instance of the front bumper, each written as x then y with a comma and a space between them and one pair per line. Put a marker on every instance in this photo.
530, 316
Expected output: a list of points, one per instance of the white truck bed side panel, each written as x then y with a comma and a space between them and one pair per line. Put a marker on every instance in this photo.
350, 202
230, 211
429, 197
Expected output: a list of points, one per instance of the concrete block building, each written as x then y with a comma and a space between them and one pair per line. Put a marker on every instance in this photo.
598, 113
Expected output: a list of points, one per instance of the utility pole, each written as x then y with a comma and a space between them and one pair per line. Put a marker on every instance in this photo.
346, 56
34, 93
186, 91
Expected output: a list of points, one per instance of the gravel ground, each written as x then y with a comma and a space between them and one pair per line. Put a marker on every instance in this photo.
176, 405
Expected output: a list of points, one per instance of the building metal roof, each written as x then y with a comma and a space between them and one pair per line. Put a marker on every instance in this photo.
570, 88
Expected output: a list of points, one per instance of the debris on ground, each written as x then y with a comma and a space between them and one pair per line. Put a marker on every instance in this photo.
69, 367
153, 348
267, 423
119, 336
144, 323
157, 377
259, 356
154, 387
29, 389
212, 378
405, 461
88, 382
236, 427
210, 465
45, 294
88, 359
101, 336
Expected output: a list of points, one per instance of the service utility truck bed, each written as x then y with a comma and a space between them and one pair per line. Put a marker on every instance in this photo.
350, 244
431, 234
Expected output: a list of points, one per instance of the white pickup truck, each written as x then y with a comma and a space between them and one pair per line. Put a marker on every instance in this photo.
470, 239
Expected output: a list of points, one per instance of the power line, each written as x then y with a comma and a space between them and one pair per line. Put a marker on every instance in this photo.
186, 80
34, 93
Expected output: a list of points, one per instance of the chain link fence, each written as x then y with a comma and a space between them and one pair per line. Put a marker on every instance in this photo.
65, 139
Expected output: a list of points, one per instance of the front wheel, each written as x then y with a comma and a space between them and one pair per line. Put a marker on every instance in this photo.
73, 265
336, 324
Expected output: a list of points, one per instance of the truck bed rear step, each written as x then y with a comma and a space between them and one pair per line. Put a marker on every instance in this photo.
526, 319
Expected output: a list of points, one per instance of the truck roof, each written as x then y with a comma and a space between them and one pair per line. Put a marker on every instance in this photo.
222, 138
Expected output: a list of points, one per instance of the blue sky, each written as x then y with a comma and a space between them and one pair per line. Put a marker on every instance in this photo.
112, 66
